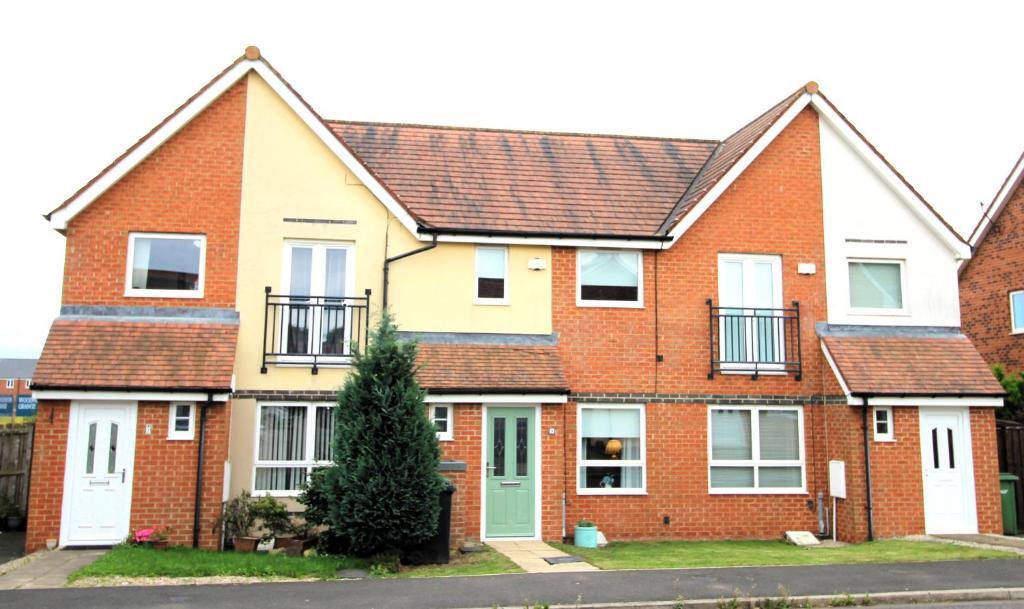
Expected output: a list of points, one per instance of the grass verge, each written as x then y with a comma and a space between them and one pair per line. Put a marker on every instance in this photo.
679, 554
485, 562
137, 561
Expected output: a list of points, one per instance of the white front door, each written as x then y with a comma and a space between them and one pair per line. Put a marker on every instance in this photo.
98, 473
948, 471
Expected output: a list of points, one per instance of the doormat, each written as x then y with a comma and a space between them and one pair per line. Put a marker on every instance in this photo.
561, 560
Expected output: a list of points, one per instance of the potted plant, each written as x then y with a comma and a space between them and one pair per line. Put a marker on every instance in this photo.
303, 538
238, 521
585, 534
13, 519
274, 520
158, 540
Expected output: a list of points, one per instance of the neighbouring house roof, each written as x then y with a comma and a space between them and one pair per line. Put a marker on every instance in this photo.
997, 205
490, 368
526, 181
124, 355
16, 368
911, 364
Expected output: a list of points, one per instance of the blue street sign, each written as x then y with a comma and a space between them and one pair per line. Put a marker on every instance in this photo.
26, 406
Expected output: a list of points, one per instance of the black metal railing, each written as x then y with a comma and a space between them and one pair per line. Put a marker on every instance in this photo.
754, 341
313, 330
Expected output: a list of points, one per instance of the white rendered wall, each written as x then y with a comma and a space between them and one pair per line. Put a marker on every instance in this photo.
859, 205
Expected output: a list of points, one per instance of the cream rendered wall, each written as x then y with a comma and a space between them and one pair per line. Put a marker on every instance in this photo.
289, 172
859, 205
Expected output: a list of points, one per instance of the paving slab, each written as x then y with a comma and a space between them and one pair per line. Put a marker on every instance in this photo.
530, 555
1003, 541
47, 569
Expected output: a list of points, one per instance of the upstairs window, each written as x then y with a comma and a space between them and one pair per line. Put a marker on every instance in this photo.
1017, 312
28, 383
165, 265
491, 275
876, 286
318, 318
609, 278
10, 383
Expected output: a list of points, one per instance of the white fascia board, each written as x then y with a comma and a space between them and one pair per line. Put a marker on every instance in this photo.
835, 371
152, 396
880, 167
640, 244
737, 170
60, 218
496, 398
951, 401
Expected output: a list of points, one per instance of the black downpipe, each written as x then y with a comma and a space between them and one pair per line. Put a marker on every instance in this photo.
387, 266
199, 471
867, 473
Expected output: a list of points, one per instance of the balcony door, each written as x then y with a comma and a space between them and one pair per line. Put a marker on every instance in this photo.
318, 277
751, 326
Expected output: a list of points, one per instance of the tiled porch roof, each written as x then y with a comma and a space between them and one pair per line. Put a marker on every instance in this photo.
490, 368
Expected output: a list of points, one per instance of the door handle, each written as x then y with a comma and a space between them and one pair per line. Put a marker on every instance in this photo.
490, 469
123, 470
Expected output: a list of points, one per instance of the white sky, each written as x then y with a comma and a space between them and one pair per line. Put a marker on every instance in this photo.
935, 87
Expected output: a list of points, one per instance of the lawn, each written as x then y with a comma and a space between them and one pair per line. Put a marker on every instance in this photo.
676, 554
137, 561
484, 562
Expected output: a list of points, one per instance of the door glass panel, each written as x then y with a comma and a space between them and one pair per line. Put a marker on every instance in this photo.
522, 446
498, 450
935, 447
332, 332
112, 457
299, 317
90, 455
949, 438
734, 330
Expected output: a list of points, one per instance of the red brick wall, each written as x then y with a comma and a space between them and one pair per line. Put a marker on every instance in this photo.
985, 285
986, 470
191, 184
163, 491
465, 447
897, 481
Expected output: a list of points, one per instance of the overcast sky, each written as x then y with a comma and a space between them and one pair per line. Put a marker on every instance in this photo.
936, 87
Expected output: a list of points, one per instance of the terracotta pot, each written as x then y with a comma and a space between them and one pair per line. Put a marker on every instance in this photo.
160, 544
296, 547
283, 541
246, 544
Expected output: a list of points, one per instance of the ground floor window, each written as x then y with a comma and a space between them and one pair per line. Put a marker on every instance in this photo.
755, 450
611, 450
441, 416
292, 440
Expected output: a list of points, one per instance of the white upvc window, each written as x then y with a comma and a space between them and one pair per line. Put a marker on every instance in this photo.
491, 275
883, 422
609, 278
611, 450
877, 287
1017, 312
318, 277
28, 383
181, 425
756, 450
291, 440
165, 265
752, 326
10, 383
443, 417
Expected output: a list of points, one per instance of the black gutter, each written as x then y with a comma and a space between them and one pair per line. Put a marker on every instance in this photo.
509, 390
484, 232
867, 474
387, 267
199, 470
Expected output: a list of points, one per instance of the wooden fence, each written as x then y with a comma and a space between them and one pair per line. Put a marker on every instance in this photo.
1010, 440
15, 462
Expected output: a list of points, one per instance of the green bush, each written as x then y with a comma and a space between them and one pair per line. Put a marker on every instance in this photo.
1013, 384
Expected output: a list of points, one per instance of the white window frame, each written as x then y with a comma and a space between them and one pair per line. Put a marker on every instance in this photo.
748, 260
28, 383
617, 304
889, 436
904, 294
174, 434
1014, 327
10, 383
129, 291
476, 276
581, 462
308, 462
444, 436
317, 274
755, 453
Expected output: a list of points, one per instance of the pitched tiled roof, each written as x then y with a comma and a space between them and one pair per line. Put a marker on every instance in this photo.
16, 368
92, 354
490, 369
912, 365
521, 181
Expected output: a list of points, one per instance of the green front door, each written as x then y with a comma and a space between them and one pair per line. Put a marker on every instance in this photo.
510, 453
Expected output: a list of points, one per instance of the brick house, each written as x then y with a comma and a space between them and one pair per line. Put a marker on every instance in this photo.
671, 337
16, 401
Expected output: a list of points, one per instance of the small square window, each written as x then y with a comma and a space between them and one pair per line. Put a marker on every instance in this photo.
165, 265
883, 425
876, 286
182, 422
1017, 312
28, 383
609, 278
441, 415
10, 383
491, 275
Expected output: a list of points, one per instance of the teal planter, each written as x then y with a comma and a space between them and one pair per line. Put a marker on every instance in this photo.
585, 537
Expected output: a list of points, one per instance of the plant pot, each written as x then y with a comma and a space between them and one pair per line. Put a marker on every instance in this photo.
246, 544
283, 541
160, 544
585, 537
15, 523
298, 547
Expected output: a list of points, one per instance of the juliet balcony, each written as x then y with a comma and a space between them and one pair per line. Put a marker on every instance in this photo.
313, 331
758, 341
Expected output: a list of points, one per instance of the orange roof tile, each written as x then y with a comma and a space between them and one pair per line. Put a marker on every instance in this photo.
490, 369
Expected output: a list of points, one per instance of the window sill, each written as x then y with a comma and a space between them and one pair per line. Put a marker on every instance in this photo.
752, 372
610, 492
283, 494
182, 438
879, 312
487, 302
756, 491
169, 294
608, 304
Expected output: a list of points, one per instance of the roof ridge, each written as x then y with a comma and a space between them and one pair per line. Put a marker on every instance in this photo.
523, 131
